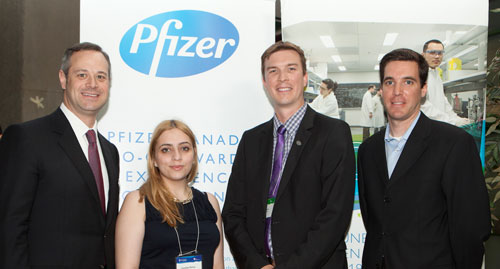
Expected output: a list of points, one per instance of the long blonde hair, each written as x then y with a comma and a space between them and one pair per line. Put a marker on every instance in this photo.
154, 189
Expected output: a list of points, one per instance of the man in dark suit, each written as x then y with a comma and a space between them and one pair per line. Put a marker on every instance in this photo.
58, 185
290, 207
421, 187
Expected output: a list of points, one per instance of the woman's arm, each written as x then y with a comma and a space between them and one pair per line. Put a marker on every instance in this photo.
130, 232
219, 251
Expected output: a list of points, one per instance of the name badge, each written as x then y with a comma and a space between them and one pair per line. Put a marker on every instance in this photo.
188, 262
270, 206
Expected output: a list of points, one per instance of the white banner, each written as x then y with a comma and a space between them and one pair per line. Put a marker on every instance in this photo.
196, 61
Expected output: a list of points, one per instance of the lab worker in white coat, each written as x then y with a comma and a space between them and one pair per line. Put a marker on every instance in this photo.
367, 112
378, 112
436, 106
326, 102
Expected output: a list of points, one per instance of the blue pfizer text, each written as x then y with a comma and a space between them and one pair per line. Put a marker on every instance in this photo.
179, 43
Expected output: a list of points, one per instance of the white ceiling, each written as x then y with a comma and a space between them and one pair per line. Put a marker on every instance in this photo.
359, 44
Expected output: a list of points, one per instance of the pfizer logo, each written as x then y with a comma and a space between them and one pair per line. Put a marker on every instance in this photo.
179, 43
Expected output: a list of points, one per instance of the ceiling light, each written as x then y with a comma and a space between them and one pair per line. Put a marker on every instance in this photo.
327, 41
495, 10
377, 67
336, 58
465, 51
342, 68
390, 38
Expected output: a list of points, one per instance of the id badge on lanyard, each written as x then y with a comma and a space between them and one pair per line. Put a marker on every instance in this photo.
270, 207
190, 259
188, 262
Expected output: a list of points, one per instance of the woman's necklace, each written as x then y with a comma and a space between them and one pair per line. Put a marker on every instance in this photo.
187, 200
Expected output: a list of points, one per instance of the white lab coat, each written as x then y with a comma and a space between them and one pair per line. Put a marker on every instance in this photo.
378, 112
366, 109
326, 105
436, 105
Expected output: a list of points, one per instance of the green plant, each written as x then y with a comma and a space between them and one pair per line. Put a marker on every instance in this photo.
492, 143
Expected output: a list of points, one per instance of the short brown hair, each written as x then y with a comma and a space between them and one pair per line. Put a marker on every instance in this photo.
409, 56
66, 59
282, 45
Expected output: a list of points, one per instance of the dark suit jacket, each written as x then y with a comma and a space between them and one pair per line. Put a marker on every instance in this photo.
50, 213
433, 212
314, 202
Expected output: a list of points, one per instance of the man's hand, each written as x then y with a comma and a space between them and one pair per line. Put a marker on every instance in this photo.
268, 267
371, 115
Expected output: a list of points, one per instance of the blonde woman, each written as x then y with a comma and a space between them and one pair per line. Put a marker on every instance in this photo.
166, 222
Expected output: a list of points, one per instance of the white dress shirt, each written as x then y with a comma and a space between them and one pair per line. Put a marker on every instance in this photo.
80, 129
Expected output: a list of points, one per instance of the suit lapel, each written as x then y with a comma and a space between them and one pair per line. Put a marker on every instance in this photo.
380, 158
71, 146
300, 141
265, 153
112, 170
413, 148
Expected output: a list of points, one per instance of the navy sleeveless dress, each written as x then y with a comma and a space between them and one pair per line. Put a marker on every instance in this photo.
160, 246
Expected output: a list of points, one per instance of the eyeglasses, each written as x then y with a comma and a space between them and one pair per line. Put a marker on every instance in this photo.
435, 52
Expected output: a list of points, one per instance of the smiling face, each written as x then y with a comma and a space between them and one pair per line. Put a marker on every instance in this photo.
174, 155
401, 91
284, 80
434, 54
86, 87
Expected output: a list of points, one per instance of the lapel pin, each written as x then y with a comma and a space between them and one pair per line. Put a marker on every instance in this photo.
299, 143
